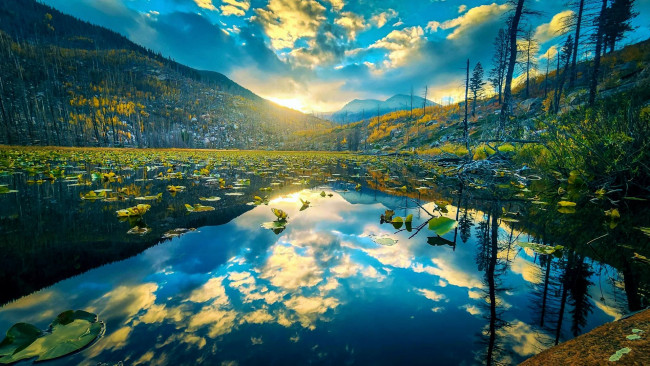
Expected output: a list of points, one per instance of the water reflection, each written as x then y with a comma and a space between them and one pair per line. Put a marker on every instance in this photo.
323, 291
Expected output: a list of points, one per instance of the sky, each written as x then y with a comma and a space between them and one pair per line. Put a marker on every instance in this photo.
317, 55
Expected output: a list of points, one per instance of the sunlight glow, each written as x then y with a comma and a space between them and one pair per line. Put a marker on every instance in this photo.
293, 103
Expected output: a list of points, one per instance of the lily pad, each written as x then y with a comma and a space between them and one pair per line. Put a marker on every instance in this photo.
138, 210
277, 226
439, 241
69, 332
566, 204
149, 198
210, 199
617, 356
385, 241
541, 248
198, 208
281, 215
442, 225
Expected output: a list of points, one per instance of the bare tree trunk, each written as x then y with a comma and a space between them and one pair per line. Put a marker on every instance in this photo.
466, 128
506, 107
576, 43
593, 86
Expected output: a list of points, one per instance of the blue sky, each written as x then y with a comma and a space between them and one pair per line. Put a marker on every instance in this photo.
316, 55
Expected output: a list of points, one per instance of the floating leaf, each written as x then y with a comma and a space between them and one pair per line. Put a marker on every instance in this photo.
387, 216
4, 190
281, 215
633, 337
409, 218
439, 241
566, 204
323, 194
210, 199
357, 187
175, 189
138, 210
150, 198
566, 210
617, 356
137, 230
198, 208
385, 241
69, 332
305, 204
540, 248
176, 232
397, 222
442, 225
93, 195
277, 226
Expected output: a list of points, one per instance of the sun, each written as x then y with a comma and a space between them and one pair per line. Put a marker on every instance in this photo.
293, 103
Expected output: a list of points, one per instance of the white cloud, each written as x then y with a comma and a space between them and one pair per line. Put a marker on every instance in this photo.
352, 23
462, 8
547, 31
337, 5
382, 18
205, 4
472, 18
235, 7
286, 21
402, 44
431, 295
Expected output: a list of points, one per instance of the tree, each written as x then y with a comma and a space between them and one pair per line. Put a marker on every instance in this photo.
617, 22
465, 123
593, 86
565, 57
512, 36
576, 41
476, 84
529, 48
499, 61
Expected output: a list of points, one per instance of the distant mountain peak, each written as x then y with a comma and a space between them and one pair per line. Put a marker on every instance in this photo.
359, 109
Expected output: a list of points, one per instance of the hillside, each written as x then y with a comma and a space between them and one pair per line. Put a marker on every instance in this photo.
67, 82
438, 130
360, 109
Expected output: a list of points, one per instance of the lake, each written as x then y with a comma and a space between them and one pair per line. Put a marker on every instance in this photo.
331, 284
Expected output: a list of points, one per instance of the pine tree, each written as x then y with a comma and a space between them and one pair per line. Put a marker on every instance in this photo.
476, 84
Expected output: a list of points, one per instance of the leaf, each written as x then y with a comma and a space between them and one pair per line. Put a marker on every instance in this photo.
69, 332
397, 222
357, 187
149, 198
198, 208
210, 199
388, 215
277, 226
567, 210
442, 225
323, 194
409, 218
617, 356
566, 204
19, 336
438, 241
540, 248
138, 210
281, 215
385, 241
174, 189
137, 230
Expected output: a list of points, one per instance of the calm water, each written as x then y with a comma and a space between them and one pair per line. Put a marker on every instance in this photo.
320, 292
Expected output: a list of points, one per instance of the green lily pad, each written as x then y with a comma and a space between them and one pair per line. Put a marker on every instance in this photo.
617, 356
442, 225
541, 248
69, 332
385, 241
198, 208
439, 241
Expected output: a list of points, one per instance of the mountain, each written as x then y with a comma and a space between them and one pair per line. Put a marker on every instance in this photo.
68, 82
359, 109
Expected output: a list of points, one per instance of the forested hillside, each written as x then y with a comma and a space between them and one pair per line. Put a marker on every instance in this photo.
67, 82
